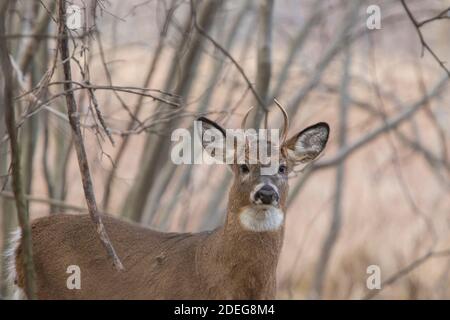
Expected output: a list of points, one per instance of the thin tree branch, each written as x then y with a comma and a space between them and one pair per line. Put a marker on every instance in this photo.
226, 53
341, 39
336, 218
424, 44
74, 120
50, 201
406, 270
125, 89
444, 14
390, 123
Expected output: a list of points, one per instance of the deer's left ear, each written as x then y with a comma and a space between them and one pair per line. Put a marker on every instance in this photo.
309, 143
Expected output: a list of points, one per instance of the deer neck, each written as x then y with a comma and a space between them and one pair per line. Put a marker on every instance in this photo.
238, 242
246, 257
249, 247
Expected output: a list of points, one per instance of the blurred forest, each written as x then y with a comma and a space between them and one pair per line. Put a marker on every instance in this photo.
380, 195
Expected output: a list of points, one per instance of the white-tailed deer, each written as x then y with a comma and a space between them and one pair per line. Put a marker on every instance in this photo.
235, 261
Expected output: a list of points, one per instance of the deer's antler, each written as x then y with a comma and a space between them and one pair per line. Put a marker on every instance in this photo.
245, 118
285, 128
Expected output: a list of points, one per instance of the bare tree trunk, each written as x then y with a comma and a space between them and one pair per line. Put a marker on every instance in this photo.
153, 199
56, 156
296, 45
7, 207
214, 77
264, 59
137, 109
29, 140
74, 120
32, 43
157, 148
336, 219
245, 50
57, 160
36, 53
212, 214
228, 44
21, 205
339, 42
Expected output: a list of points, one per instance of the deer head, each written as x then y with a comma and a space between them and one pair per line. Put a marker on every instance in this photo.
257, 199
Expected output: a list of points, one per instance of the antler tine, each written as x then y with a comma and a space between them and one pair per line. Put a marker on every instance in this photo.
245, 118
286, 121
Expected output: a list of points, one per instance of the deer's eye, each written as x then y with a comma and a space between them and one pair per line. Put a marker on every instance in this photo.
282, 169
243, 168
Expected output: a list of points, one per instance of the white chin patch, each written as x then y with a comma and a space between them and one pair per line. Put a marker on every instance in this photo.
261, 219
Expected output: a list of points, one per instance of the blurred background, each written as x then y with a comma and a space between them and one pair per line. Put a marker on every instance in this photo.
380, 194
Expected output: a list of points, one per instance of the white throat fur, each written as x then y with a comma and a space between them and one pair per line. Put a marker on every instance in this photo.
261, 219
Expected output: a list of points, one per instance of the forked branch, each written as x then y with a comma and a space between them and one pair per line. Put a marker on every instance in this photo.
418, 25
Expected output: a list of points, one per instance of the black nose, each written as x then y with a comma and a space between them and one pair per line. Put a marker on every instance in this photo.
266, 194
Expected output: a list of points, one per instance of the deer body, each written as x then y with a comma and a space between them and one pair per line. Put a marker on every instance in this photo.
235, 261
206, 265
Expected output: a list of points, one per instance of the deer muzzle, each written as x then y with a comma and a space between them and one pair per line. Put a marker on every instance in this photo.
266, 195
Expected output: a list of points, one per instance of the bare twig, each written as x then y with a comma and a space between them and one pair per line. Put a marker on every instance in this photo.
44, 36
74, 120
390, 123
406, 270
444, 14
94, 106
226, 53
126, 89
435, 162
52, 202
425, 46
110, 81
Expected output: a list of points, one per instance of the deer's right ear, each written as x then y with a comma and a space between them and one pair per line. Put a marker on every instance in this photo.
309, 143
212, 137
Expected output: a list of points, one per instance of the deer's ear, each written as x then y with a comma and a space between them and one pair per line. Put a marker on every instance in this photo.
309, 143
212, 137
